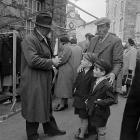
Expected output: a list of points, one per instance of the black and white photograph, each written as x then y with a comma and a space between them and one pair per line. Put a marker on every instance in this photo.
69, 69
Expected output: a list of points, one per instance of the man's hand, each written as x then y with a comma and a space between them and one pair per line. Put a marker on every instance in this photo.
111, 77
56, 61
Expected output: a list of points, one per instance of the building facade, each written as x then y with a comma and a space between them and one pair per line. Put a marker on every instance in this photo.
20, 14
125, 18
84, 29
73, 21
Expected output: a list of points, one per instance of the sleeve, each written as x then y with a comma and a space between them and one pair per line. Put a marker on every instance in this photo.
65, 55
33, 58
117, 57
76, 83
109, 99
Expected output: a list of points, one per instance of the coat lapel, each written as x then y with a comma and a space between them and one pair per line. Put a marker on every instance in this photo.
94, 44
99, 86
105, 44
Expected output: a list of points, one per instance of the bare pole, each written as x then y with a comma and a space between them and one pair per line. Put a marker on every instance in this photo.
71, 3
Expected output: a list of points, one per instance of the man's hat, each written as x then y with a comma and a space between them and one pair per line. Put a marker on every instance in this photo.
44, 19
90, 57
102, 21
100, 63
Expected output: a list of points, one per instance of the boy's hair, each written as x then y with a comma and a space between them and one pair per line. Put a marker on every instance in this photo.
103, 66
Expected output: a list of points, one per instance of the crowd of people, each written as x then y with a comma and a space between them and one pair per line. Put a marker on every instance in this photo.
90, 72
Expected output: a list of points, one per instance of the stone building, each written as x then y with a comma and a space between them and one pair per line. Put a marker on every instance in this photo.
125, 17
73, 21
89, 27
20, 14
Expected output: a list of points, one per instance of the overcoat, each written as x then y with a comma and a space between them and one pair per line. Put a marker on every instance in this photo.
99, 113
36, 78
82, 88
110, 49
130, 128
67, 71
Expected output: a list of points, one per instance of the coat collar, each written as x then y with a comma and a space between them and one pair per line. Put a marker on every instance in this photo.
99, 86
38, 35
41, 39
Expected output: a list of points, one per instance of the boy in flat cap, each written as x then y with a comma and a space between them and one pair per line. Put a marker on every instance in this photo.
81, 88
36, 79
109, 47
100, 98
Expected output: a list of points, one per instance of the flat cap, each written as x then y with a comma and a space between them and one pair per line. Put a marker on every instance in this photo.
100, 63
102, 21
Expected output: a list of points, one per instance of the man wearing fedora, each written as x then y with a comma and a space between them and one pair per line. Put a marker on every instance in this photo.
36, 79
108, 47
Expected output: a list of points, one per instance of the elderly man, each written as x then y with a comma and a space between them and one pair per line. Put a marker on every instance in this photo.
36, 79
109, 47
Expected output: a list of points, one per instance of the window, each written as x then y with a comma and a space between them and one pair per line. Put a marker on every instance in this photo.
121, 25
115, 10
38, 6
121, 8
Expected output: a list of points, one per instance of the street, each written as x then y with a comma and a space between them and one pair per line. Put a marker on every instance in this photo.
14, 127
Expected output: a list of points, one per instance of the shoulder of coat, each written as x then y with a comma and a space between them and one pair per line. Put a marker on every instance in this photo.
114, 37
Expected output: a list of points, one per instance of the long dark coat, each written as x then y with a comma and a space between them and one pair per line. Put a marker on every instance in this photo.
99, 114
36, 78
82, 88
111, 50
130, 129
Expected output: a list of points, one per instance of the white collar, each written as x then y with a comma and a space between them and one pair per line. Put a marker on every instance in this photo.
98, 80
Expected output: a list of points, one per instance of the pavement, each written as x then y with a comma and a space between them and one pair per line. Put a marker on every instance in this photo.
14, 127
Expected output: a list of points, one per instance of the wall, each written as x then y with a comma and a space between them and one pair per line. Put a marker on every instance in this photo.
82, 30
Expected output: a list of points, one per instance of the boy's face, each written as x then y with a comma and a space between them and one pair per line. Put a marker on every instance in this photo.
85, 62
97, 72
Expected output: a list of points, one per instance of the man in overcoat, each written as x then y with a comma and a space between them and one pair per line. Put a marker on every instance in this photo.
36, 79
108, 47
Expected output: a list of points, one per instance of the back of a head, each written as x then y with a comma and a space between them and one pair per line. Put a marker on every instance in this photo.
64, 40
131, 42
73, 41
89, 36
